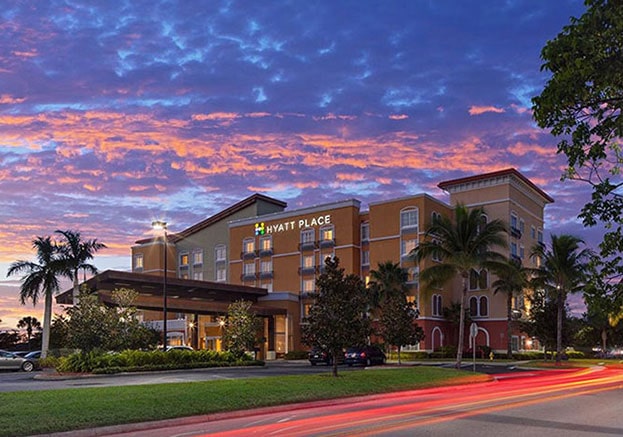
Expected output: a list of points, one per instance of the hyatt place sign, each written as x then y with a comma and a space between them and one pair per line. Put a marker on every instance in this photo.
262, 228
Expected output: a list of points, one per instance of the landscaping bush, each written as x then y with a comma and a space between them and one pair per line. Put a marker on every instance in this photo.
132, 360
296, 355
444, 352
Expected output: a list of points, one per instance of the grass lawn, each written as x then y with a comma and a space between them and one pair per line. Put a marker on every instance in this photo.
576, 362
38, 412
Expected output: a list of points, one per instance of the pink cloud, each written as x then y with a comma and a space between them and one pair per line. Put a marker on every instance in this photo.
477, 110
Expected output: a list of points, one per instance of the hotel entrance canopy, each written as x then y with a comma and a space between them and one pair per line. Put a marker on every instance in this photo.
183, 295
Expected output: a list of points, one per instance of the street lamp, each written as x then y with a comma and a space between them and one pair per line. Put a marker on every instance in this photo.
160, 225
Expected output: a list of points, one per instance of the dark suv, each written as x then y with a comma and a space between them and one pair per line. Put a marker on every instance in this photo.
365, 355
317, 355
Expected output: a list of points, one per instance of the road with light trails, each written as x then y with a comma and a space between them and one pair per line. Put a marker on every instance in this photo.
584, 402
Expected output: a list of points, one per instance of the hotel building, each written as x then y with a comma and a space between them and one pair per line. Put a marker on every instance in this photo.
260, 251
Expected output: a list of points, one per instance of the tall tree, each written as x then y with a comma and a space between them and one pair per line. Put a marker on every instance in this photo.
40, 277
388, 280
512, 279
397, 316
541, 322
76, 252
31, 324
461, 245
582, 104
338, 317
241, 328
562, 270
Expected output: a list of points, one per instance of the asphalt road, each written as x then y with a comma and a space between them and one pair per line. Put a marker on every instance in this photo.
551, 403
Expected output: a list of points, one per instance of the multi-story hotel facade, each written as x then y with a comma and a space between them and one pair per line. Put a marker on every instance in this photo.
260, 251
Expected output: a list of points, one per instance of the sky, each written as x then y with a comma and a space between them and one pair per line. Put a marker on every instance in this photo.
116, 113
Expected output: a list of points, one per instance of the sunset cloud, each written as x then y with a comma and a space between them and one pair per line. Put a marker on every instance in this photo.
108, 120
478, 110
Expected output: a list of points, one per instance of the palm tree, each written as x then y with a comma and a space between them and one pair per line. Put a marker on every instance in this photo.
76, 252
40, 277
461, 246
561, 271
389, 280
512, 279
30, 323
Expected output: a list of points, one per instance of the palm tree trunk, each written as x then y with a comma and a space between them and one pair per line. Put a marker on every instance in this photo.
509, 325
76, 289
560, 304
459, 349
47, 321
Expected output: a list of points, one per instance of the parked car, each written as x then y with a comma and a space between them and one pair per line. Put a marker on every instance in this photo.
179, 348
34, 355
365, 355
318, 355
8, 360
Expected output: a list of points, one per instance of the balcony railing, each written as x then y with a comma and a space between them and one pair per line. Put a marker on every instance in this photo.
327, 243
515, 232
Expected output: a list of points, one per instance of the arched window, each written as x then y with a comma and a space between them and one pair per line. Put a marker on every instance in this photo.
483, 311
409, 218
473, 306
478, 280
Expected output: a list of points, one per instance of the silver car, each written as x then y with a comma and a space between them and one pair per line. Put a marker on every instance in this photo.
9, 360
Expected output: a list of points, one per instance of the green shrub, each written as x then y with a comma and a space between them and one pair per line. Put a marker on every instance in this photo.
131, 360
444, 352
296, 355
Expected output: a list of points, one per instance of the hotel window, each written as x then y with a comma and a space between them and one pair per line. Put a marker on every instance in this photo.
412, 275
539, 234
248, 269
308, 262
436, 256
138, 262
198, 276
365, 258
435, 217
407, 247
522, 226
221, 274
514, 253
522, 251
533, 232
197, 257
184, 275
478, 280
266, 243
478, 306
483, 221
409, 218
184, 260
248, 245
365, 232
266, 266
307, 236
308, 285
326, 233
268, 286
220, 252
437, 305
514, 221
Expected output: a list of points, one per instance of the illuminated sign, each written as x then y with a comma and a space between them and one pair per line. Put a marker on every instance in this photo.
261, 228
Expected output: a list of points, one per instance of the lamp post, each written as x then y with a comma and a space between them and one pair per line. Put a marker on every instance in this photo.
160, 225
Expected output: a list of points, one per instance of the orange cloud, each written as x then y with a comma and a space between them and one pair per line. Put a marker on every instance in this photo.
477, 110
6, 99
398, 117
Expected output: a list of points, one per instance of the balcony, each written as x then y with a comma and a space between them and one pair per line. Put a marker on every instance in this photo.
515, 232
308, 270
248, 277
248, 255
516, 258
327, 243
267, 275
307, 245
266, 252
